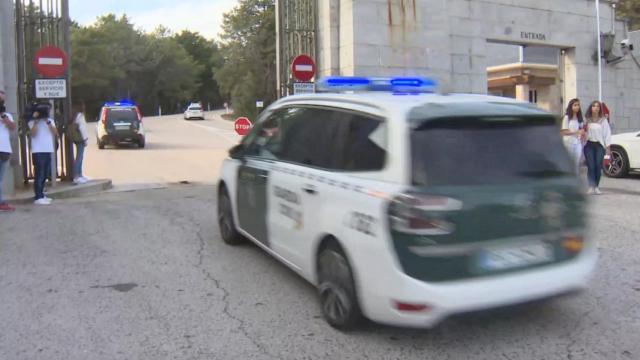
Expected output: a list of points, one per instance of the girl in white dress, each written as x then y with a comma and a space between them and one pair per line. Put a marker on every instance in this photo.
573, 132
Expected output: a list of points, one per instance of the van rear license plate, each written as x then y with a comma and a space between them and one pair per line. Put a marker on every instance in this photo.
518, 256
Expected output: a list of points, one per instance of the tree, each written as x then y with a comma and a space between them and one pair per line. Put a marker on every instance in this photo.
207, 54
630, 10
111, 60
249, 50
102, 60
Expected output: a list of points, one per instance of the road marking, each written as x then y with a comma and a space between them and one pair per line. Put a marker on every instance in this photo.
217, 132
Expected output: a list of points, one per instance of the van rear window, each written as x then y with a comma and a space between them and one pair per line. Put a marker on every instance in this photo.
122, 114
491, 150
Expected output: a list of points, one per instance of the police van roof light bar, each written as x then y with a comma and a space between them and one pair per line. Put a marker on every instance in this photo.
396, 84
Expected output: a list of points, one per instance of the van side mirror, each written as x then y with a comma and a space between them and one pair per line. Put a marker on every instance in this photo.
237, 152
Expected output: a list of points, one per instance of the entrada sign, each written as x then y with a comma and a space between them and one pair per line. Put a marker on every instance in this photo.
533, 36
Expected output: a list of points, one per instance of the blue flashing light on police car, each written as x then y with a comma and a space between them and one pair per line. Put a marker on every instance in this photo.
396, 84
123, 102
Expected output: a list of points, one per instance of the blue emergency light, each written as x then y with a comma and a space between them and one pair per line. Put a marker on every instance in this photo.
396, 85
120, 103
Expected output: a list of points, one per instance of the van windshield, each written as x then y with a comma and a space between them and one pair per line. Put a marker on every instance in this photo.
488, 150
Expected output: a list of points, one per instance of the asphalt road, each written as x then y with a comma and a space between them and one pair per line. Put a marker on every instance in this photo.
176, 150
145, 275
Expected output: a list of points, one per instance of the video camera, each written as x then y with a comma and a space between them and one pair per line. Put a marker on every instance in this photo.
41, 108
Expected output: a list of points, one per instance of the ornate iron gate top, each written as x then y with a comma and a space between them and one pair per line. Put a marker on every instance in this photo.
296, 26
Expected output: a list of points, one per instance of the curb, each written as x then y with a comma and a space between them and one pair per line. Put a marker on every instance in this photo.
92, 187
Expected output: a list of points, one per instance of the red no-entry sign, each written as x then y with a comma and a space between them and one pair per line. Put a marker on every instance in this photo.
303, 68
243, 126
51, 61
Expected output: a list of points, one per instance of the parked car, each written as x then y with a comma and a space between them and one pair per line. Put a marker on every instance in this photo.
406, 208
625, 155
194, 111
120, 122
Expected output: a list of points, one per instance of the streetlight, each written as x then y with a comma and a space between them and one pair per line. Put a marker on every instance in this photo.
599, 51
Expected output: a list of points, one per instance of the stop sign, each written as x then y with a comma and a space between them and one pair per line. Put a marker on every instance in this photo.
51, 61
303, 67
243, 126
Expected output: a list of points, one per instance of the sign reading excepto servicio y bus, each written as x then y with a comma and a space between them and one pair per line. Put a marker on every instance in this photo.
303, 88
51, 88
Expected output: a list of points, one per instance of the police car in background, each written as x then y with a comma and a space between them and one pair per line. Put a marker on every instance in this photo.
406, 207
120, 122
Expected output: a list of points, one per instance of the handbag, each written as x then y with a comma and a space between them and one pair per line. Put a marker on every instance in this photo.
73, 133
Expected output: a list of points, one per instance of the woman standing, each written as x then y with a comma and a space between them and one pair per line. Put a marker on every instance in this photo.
598, 142
79, 135
573, 132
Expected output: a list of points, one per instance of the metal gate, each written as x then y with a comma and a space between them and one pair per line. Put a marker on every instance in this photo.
40, 23
296, 35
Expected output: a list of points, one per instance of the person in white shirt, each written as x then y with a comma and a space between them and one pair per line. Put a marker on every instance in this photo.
80, 124
6, 126
598, 134
43, 134
573, 132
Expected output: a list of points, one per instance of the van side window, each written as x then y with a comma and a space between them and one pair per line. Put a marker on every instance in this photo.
312, 138
365, 144
322, 138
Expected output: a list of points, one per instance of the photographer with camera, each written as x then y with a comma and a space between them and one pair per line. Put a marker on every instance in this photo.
43, 134
6, 126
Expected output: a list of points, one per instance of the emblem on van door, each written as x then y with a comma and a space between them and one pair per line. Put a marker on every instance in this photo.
553, 209
524, 207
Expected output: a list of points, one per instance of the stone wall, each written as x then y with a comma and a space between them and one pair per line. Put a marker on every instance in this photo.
447, 39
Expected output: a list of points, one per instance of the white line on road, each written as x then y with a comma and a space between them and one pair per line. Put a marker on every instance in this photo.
218, 132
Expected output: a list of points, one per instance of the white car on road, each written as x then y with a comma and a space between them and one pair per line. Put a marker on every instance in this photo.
625, 154
194, 111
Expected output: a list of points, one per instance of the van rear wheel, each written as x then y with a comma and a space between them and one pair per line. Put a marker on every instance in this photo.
337, 291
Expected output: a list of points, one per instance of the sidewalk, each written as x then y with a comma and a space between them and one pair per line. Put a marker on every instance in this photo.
62, 190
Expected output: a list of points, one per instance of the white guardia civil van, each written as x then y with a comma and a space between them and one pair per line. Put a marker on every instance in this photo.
405, 206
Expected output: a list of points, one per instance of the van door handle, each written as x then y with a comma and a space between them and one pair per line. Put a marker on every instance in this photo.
310, 189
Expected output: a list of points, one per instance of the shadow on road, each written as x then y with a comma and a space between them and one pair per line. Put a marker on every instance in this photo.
149, 146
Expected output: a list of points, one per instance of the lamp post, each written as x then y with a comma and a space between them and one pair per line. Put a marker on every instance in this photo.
68, 112
599, 51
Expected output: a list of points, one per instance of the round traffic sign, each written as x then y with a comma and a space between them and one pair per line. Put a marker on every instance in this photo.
243, 126
51, 61
303, 68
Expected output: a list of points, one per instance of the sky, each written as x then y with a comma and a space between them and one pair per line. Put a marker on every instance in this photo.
203, 16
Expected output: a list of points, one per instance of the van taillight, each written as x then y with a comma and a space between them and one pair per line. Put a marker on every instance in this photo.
139, 114
103, 116
422, 214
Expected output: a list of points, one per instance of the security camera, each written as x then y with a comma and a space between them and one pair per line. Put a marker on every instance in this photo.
626, 46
